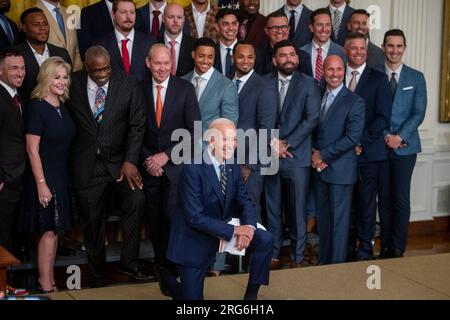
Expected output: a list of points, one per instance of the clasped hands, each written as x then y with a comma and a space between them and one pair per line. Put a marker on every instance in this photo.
280, 149
155, 163
394, 141
317, 162
244, 235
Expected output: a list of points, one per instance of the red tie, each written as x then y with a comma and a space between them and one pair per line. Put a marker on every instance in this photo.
155, 24
319, 65
16, 101
159, 106
173, 53
125, 56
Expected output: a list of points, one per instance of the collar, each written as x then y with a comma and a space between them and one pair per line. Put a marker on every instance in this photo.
121, 37
35, 52
298, 9
244, 78
161, 9
325, 47
207, 75
214, 160
360, 69
50, 6
336, 91
194, 9
178, 39
281, 77
12, 91
223, 47
163, 84
389, 71
341, 8
93, 86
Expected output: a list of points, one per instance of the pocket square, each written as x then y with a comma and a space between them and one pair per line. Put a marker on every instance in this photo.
408, 88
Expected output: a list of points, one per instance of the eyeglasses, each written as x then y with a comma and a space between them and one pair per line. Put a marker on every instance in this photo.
283, 28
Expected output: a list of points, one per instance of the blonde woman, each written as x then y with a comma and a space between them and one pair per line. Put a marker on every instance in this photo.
49, 131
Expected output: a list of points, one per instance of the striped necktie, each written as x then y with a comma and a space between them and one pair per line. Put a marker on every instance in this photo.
336, 22
223, 179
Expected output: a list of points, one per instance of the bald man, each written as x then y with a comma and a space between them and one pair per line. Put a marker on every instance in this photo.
206, 192
340, 128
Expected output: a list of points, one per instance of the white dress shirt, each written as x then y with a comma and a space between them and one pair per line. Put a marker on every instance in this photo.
200, 19
40, 58
348, 74
164, 85
341, 9
325, 49
298, 13
92, 91
120, 37
206, 76
178, 40
223, 54
243, 79
12, 91
397, 72
161, 9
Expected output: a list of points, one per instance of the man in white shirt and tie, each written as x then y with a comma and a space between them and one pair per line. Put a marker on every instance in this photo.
227, 26
151, 17
340, 13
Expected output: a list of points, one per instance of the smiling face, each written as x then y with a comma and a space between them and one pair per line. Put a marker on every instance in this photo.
203, 58
244, 59
286, 60
36, 27
394, 49
359, 23
356, 51
159, 63
321, 28
59, 82
334, 71
277, 29
125, 16
12, 71
250, 7
222, 140
99, 69
227, 28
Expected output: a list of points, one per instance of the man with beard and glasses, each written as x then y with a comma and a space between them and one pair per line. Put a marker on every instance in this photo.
128, 47
298, 115
9, 33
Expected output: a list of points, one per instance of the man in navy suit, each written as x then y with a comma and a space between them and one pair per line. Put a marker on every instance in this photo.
150, 17
402, 138
298, 116
299, 21
373, 87
227, 26
9, 33
170, 104
128, 47
206, 194
339, 131
341, 13
257, 111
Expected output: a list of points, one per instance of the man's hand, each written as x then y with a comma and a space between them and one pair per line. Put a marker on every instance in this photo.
358, 150
244, 230
393, 141
280, 149
155, 163
131, 173
317, 162
246, 172
242, 242
1, 186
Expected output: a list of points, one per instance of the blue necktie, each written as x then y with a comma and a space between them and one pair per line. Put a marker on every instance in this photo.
328, 100
60, 20
228, 64
99, 104
292, 25
238, 83
7, 28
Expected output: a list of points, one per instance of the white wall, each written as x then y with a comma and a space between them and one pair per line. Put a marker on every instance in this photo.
422, 21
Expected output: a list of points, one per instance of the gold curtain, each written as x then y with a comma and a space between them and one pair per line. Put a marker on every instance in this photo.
18, 6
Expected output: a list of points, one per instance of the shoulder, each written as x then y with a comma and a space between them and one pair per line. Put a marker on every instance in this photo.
180, 83
412, 73
307, 10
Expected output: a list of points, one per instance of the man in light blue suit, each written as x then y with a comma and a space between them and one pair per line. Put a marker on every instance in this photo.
334, 158
321, 45
216, 94
298, 115
402, 137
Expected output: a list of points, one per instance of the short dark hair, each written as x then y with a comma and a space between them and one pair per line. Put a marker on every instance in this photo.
224, 12
282, 44
394, 32
27, 12
315, 13
355, 35
360, 11
116, 2
204, 41
275, 14
242, 42
9, 52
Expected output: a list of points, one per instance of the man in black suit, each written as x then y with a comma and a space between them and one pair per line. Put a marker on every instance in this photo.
277, 29
107, 111
170, 104
299, 21
127, 47
150, 17
12, 138
36, 49
340, 15
227, 26
9, 33
257, 111
95, 22
180, 43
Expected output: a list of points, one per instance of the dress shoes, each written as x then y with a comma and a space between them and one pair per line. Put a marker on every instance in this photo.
164, 277
383, 253
276, 264
135, 272
293, 265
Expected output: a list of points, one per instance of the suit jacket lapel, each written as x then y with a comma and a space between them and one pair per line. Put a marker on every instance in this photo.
212, 177
135, 52
168, 100
150, 103
362, 81
229, 192
210, 83
113, 88
290, 93
86, 107
246, 88
332, 108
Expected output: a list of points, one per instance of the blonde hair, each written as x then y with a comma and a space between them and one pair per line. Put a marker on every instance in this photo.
48, 70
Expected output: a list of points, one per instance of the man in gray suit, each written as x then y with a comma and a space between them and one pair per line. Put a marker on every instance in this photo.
359, 22
217, 95
321, 45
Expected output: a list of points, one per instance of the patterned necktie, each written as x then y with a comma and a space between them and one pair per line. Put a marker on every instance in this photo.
319, 65
228, 64
155, 24
173, 54
125, 56
352, 84
238, 83
223, 179
7, 29
60, 20
336, 22
243, 29
159, 106
292, 25
393, 83
283, 91
99, 104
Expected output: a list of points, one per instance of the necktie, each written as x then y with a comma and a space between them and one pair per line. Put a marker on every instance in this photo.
16, 101
60, 20
283, 91
336, 22
238, 83
328, 99
125, 56
352, 84
7, 29
319, 65
223, 179
292, 25
155, 23
159, 106
197, 86
243, 29
99, 104
228, 64
393, 83
173, 69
